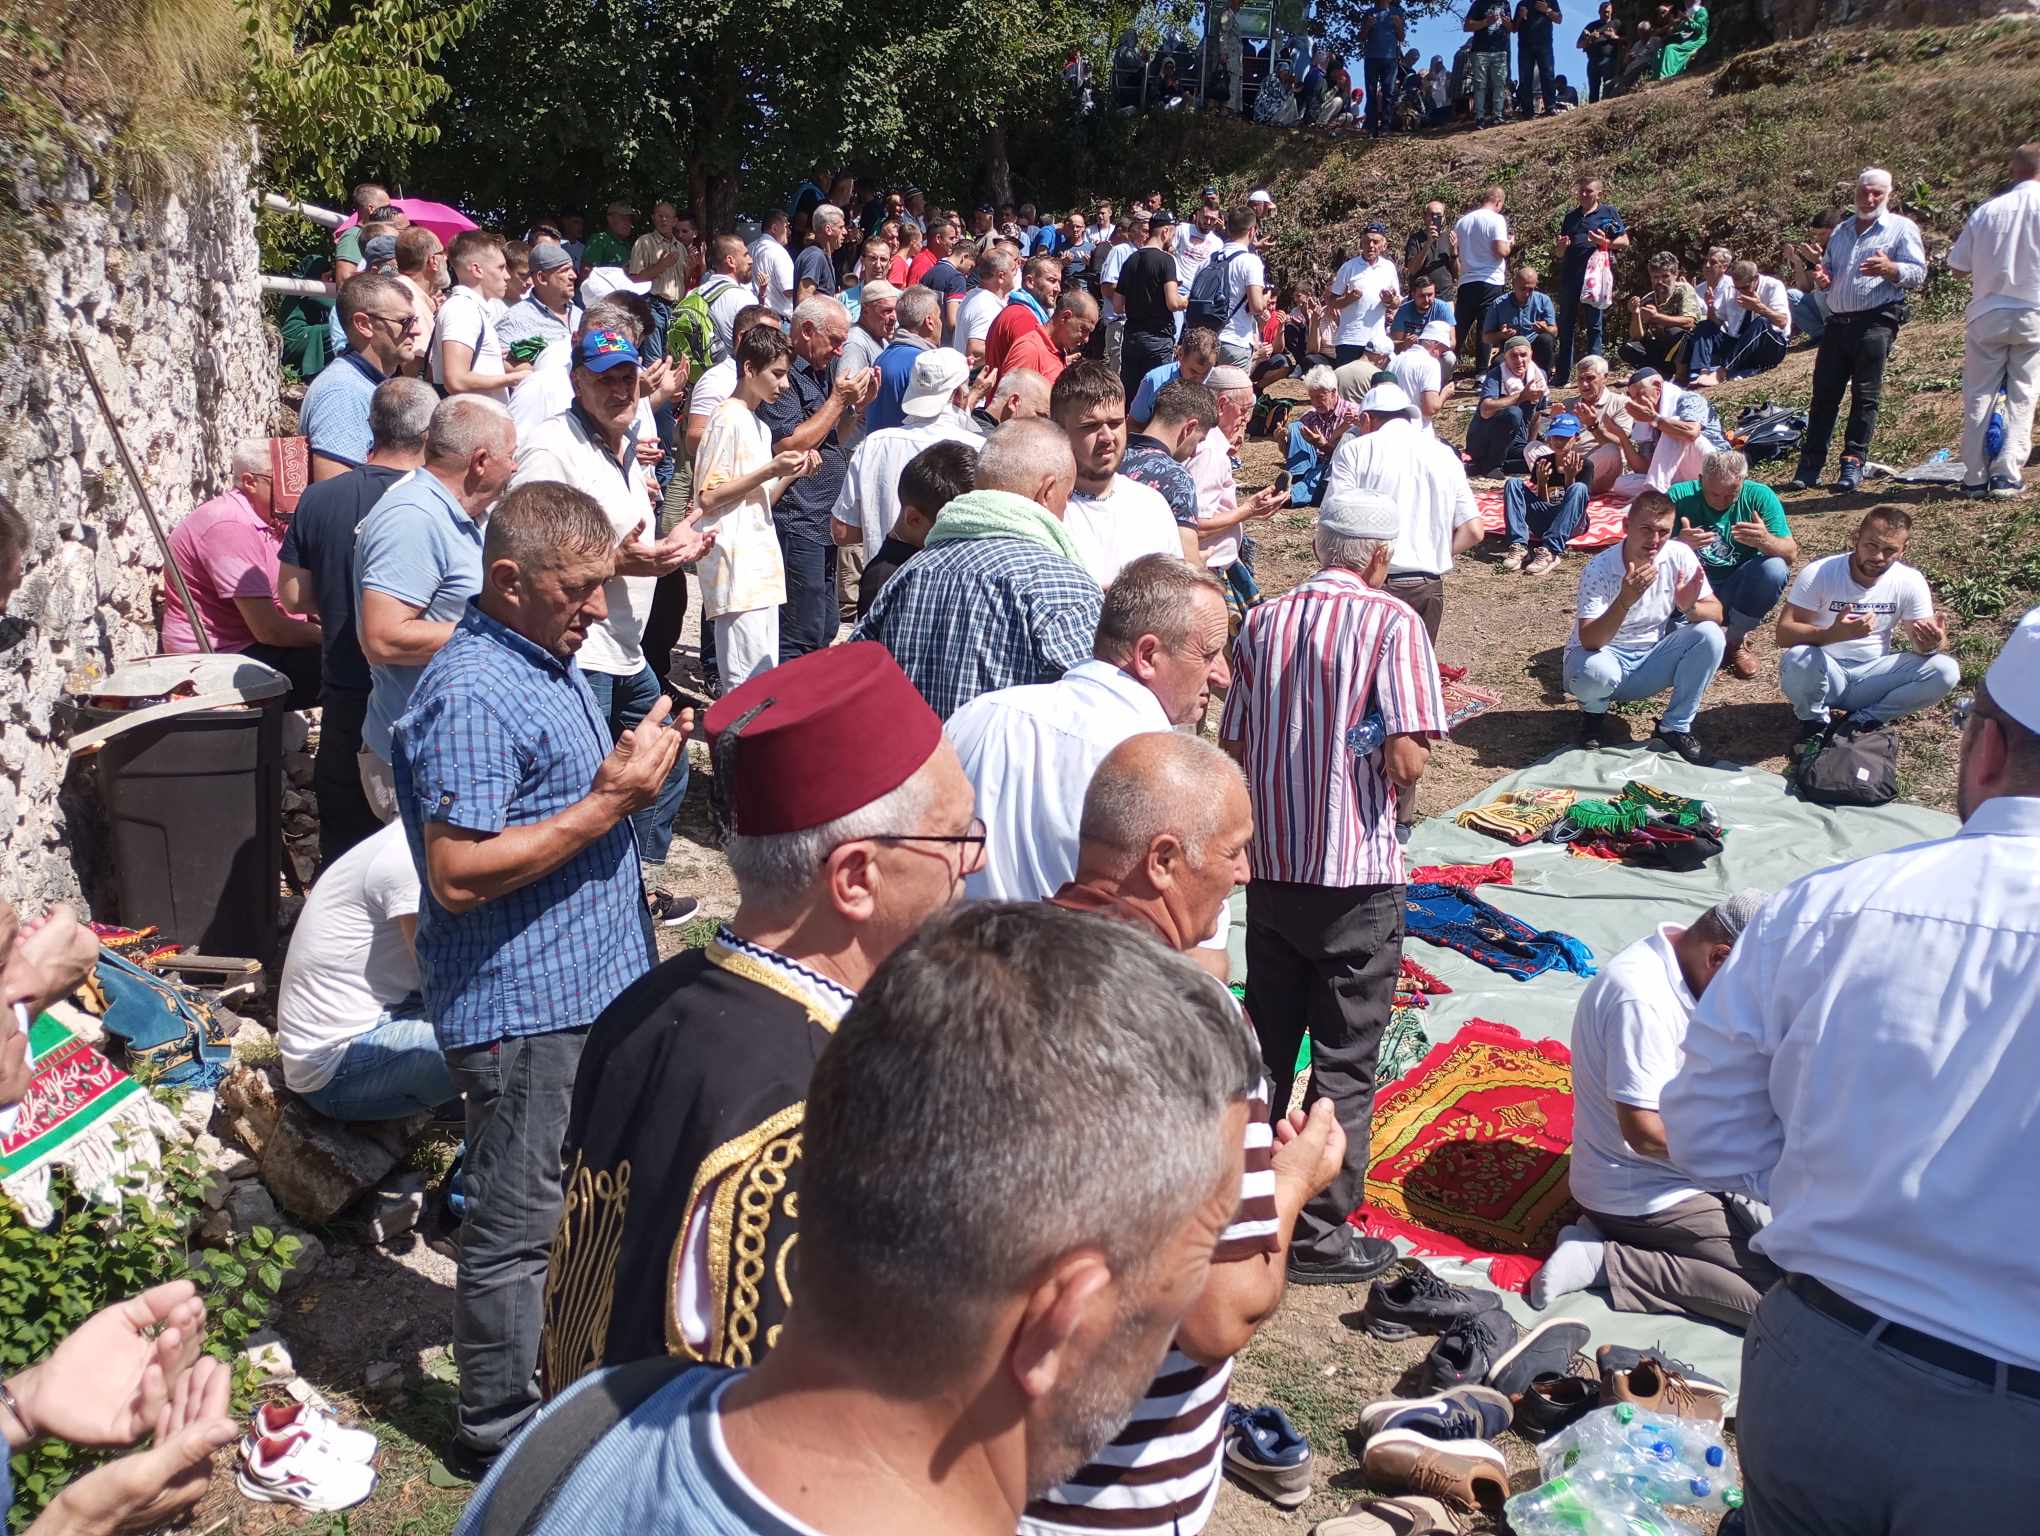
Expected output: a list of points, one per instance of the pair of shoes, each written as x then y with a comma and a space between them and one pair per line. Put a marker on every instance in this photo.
2005, 487
1651, 1379
1512, 562
1850, 480
668, 909
1578, 1261
1465, 1474
1552, 1403
1365, 1258
1685, 743
1489, 1347
1742, 661
1543, 563
1413, 1301
297, 1454
1593, 729
1264, 1451
1390, 1517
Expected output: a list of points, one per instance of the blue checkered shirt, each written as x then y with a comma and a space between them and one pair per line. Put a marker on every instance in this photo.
501, 733
962, 619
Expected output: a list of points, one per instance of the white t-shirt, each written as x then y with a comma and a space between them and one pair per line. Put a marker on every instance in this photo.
1192, 248
1480, 232
1423, 476
1243, 270
1628, 1041
1417, 370
1364, 323
1644, 625
974, 320
772, 265
1828, 589
731, 299
1723, 291
1119, 525
465, 318
870, 497
1771, 291
712, 388
2000, 250
349, 962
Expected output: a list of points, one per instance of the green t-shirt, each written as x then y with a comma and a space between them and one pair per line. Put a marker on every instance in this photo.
1756, 503
605, 250
348, 246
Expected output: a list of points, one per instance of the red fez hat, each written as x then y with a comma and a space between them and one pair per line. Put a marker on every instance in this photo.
818, 737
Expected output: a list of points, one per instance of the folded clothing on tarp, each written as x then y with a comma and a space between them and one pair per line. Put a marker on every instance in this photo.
1518, 816
1501, 872
1455, 919
1642, 826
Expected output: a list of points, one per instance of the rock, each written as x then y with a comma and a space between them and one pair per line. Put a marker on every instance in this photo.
266, 1352
317, 1167
340, 1268
381, 1374
249, 1206
252, 1042
252, 1097
196, 1112
396, 1207
215, 1228
297, 768
311, 1254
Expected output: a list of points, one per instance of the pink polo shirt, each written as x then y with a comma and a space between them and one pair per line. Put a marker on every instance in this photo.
224, 550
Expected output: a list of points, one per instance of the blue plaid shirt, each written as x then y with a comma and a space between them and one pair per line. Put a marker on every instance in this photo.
501, 733
962, 619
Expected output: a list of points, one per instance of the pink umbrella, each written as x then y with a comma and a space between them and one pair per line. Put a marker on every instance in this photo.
442, 220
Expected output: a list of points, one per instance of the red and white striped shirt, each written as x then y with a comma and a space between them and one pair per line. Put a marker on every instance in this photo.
1307, 668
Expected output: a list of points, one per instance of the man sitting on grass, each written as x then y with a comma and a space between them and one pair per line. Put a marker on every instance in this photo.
1512, 397
1314, 434
1737, 527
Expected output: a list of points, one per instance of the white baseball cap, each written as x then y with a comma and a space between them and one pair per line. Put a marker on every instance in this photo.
1386, 399
604, 281
2014, 678
1360, 514
1260, 195
938, 373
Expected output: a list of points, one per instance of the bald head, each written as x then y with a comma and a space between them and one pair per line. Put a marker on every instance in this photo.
1020, 395
1160, 785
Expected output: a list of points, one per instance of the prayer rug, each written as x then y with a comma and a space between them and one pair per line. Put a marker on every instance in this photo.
1605, 516
1518, 816
1454, 918
1464, 701
1501, 872
1403, 1044
1471, 1151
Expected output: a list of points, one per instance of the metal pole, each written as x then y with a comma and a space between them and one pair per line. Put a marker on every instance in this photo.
312, 211
127, 462
303, 287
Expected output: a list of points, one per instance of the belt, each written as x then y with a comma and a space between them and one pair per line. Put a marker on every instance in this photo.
2022, 1381
1409, 576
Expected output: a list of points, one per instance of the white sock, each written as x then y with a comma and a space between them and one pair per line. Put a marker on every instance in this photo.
1580, 1260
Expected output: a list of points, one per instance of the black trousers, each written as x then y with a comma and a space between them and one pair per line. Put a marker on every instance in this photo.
344, 816
1325, 959
1141, 353
1470, 305
1853, 351
300, 663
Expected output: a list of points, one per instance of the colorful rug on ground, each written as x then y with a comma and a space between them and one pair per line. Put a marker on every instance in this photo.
1604, 519
1463, 701
1471, 1150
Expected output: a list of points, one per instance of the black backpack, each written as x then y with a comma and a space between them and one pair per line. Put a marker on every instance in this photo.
1765, 432
1857, 769
1208, 292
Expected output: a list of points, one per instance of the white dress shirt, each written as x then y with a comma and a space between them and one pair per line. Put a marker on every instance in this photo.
772, 273
1423, 476
1118, 525
2000, 250
870, 497
1868, 1061
1364, 322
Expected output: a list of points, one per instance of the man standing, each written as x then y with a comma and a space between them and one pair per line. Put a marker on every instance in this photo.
1481, 242
1197, 242
1242, 290
774, 263
726, 289
1864, 1063
421, 267
1737, 527
1836, 628
998, 273
1999, 250
1382, 29
1430, 253
610, 245
688, 1104
660, 258
867, 503
872, 328
1365, 293
814, 270
874, 257
1027, 309
1522, 311
917, 327
1325, 904
943, 275
1151, 298
467, 353
1112, 520
315, 580
376, 313
514, 801
1535, 64
1487, 69
1048, 350
548, 312
1872, 261
1589, 226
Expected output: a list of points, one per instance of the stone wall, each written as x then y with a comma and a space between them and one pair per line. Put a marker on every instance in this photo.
163, 294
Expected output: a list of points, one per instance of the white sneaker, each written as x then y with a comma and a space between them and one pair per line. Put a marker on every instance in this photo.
297, 1470
276, 1421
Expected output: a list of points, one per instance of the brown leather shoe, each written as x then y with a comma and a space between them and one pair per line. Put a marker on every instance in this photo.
1389, 1517
1651, 1385
1743, 663
1469, 1474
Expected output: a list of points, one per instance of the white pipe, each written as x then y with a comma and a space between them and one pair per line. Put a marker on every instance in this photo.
302, 287
312, 211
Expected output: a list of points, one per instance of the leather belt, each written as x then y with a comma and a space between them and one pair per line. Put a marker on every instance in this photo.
1924, 1347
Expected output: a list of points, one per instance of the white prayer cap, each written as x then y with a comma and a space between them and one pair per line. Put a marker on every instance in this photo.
1736, 913
1437, 330
1225, 378
1360, 514
2014, 678
1386, 399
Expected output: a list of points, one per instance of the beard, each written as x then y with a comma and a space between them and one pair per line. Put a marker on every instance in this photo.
1085, 1417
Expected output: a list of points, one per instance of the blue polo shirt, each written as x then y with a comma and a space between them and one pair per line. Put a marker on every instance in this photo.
1407, 318
895, 369
1379, 26
1576, 226
1520, 313
335, 413
1152, 383
422, 549
502, 733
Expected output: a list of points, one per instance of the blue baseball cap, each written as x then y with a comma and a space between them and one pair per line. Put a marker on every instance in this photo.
600, 351
1565, 424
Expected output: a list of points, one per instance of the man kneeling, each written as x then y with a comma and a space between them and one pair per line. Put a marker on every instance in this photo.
1647, 621
1656, 1242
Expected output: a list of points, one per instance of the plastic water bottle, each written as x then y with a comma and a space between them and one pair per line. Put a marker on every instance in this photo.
1668, 1460
1365, 739
1590, 1503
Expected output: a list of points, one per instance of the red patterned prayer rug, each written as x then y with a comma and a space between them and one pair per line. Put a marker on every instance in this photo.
1465, 700
1471, 1150
1605, 516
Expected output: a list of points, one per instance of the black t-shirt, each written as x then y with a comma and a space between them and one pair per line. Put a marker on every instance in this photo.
1601, 46
1143, 289
878, 570
807, 502
1532, 25
1490, 39
320, 540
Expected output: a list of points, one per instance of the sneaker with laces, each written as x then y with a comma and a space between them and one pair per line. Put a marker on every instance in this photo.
1413, 1301
1850, 480
1543, 563
1265, 1451
1468, 1349
1512, 562
2005, 487
276, 1420
1467, 1474
1464, 1413
1552, 1403
297, 1469
1651, 1384
1546, 1350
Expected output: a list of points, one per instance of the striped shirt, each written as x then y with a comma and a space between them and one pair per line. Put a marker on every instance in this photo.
1307, 668
1890, 234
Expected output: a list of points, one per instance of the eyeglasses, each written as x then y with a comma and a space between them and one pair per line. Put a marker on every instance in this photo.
972, 841
405, 324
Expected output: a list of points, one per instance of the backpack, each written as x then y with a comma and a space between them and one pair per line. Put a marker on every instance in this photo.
1858, 769
1765, 432
1208, 294
691, 331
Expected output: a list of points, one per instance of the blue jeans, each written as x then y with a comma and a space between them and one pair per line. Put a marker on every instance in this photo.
1571, 311
1756, 350
809, 617
394, 1070
1306, 468
1536, 66
1879, 690
1379, 76
1489, 76
1684, 661
1749, 593
1809, 318
624, 701
1549, 522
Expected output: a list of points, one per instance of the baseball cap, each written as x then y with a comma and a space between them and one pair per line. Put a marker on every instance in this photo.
2014, 678
1211, 193
938, 373
1260, 195
1160, 216
600, 351
604, 281
379, 251
1386, 399
550, 257
1564, 424
1360, 514
986, 208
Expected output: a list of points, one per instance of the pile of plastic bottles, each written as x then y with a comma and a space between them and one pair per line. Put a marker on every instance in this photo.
1621, 1471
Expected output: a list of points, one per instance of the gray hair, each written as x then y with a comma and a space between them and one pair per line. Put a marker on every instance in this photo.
917, 304
1321, 377
776, 869
1172, 784
251, 457
400, 414
820, 311
1874, 176
1663, 261
998, 262
1344, 551
1593, 362
828, 213
544, 523
1055, 1080
363, 289
463, 425
1725, 464
1720, 253
1154, 595
1021, 453
612, 315
1022, 381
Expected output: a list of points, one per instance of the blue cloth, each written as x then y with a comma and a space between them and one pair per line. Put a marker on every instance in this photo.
1493, 442
320, 541
1883, 688
1306, 468
419, 547
394, 1071
1155, 381
335, 413
944, 279
895, 369
1048, 241
1378, 27
1022, 296
500, 734
1533, 29
817, 266
1453, 918
1520, 313
622, 702
1408, 319
1750, 591
167, 1030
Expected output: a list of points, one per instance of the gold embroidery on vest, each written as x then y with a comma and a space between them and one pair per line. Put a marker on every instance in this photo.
723, 1175
580, 1281
758, 1190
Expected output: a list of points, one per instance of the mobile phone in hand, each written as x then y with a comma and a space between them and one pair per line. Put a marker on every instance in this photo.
1282, 478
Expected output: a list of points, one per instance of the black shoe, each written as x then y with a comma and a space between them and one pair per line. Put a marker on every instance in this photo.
1685, 743
1802, 480
1413, 1301
1365, 1258
1976, 492
1593, 730
1546, 1350
1812, 733
1552, 1403
1850, 480
464, 1464
669, 910
1468, 1349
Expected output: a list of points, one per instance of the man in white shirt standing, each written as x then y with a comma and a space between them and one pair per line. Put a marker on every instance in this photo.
1482, 243
868, 504
1999, 249
1365, 294
726, 288
1864, 1063
1112, 520
467, 355
773, 263
1834, 634
1625, 642
1656, 1242
998, 274
1196, 242
1245, 292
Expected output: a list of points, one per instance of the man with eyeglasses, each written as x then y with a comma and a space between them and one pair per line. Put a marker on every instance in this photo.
376, 313
850, 822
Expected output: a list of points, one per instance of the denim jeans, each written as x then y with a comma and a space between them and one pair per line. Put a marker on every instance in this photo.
624, 701
1379, 77
1547, 521
394, 1070
1881, 689
1756, 350
808, 619
1489, 75
1572, 310
1809, 312
1749, 593
519, 1093
1535, 69
1684, 661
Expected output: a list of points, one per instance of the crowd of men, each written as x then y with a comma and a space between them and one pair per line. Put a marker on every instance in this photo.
1047, 1164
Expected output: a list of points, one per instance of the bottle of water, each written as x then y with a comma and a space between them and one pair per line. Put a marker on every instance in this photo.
1590, 1502
1365, 739
1668, 1460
